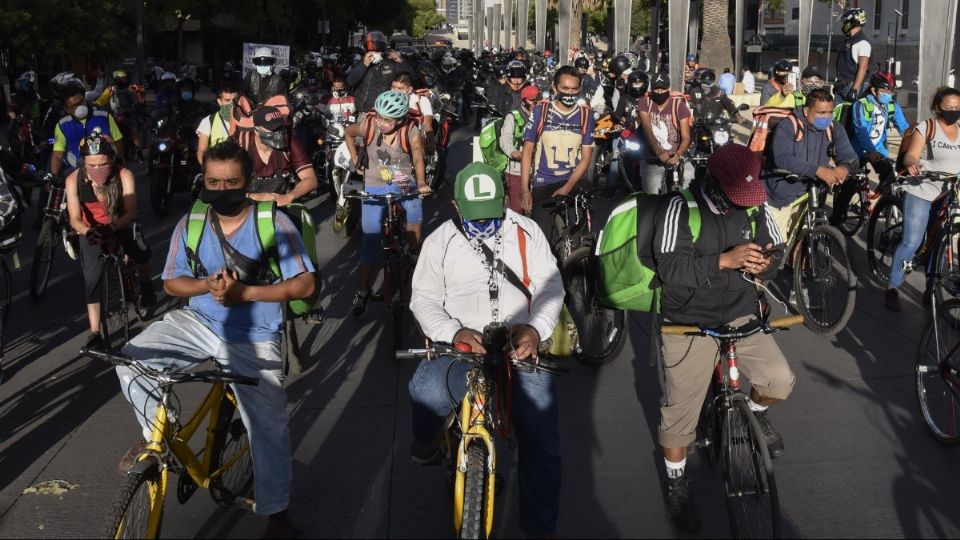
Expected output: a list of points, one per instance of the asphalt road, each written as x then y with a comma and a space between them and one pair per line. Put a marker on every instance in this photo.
858, 461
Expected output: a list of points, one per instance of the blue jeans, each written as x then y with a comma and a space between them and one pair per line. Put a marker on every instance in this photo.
371, 216
916, 216
179, 342
535, 416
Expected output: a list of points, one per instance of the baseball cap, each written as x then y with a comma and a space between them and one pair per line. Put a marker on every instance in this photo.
660, 80
479, 192
530, 93
269, 118
736, 170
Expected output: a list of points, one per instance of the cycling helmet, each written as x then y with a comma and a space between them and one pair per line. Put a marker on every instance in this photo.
619, 64
392, 104
691, 58
582, 63
705, 77
500, 72
374, 41
852, 18
119, 77
516, 69
883, 80
637, 83
66, 83
263, 56
97, 143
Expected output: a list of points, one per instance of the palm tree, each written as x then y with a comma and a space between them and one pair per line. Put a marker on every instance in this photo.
715, 46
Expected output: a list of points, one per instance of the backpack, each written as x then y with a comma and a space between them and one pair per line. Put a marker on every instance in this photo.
625, 250
765, 120
929, 130
842, 113
369, 130
266, 233
545, 110
490, 141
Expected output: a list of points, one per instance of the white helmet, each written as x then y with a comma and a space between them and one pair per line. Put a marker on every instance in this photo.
263, 52
449, 63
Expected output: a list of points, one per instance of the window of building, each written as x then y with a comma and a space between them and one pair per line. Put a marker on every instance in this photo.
877, 14
795, 13
905, 9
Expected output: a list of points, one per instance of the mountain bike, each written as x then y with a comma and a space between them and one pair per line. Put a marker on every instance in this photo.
56, 227
398, 264
937, 373
824, 281
730, 436
119, 292
600, 332
224, 464
469, 436
941, 244
858, 211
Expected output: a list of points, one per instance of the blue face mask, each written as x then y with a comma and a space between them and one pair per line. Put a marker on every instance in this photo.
885, 99
823, 123
482, 229
186, 96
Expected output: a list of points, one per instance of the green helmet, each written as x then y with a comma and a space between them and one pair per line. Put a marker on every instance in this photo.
392, 104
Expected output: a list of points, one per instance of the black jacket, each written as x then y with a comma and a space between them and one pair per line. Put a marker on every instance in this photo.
504, 100
259, 89
695, 290
369, 82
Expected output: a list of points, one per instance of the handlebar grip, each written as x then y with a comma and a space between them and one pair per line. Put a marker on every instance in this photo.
784, 322
680, 330
106, 356
551, 366
407, 355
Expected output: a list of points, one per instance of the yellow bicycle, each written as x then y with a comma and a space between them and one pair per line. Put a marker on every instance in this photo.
468, 438
223, 466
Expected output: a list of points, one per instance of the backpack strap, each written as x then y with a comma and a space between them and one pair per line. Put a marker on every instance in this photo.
267, 234
518, 124
405, 136
584, 119
368, 129
797, 128
542, 122
196, 224
693, 214
522, 240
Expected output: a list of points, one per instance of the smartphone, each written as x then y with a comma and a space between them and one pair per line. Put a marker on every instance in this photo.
769, 252
792, 79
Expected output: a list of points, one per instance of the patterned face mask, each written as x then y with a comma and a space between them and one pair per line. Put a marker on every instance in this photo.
482, 229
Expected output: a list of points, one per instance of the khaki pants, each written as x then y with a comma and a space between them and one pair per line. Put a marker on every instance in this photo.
688, 363
786, 217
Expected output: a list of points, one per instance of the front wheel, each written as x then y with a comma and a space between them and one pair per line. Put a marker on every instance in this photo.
114, 316
884, 233
137, 510
43, 258
231, 450
824, 281
600, 330
161, 199
475, 494
753, 504
937, 371
855, 215
946, 285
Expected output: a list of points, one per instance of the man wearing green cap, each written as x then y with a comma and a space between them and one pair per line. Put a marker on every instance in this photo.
487, 267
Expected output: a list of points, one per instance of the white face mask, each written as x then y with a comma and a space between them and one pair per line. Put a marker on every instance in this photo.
376, 59
81, 112
264, 70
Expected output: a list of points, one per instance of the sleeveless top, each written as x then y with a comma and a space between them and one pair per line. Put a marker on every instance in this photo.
92, 211
940, 155
846, 65
388, 163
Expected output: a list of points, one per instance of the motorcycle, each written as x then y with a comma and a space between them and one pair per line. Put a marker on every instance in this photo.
445, 118
172, 165
632, 158
347, 214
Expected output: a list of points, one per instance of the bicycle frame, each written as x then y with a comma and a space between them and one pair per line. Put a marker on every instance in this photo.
392, 233
473, 425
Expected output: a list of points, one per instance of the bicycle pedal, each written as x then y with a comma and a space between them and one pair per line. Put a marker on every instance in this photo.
245, 503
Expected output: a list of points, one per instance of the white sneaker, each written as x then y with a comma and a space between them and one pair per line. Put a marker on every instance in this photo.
68, 247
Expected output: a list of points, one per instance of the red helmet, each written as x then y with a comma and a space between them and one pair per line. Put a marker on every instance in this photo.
374, 41
883, 80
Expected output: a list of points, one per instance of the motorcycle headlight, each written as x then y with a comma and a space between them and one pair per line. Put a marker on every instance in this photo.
162, 147
480, 90
721, 137
160, 122
632, 146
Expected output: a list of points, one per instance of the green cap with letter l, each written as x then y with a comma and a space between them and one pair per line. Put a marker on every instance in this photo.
479, 192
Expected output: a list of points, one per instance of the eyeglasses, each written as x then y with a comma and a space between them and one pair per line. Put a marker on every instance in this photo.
387, 121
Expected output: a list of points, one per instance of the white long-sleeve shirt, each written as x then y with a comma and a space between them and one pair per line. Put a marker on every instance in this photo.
450, 284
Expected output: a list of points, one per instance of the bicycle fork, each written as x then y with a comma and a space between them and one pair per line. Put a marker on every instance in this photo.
473, 429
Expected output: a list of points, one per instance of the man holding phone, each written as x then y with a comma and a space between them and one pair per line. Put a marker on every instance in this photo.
373, 75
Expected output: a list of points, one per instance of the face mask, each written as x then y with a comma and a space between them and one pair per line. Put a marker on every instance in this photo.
636, 91
716, 196
660, 98
823, 123
99, 175
226, 202
884, 99
186, 96
339, 93
263, 71
620, 83
568, 100
950, 117
81, 112
706, 88
482, 229
274, 139
806, 88
225, 110
377, 58
781, 79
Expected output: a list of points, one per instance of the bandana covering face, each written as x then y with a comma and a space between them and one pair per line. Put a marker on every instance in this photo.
99, 175
482, 229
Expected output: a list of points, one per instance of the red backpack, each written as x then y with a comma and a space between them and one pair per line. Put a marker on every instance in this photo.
370, 131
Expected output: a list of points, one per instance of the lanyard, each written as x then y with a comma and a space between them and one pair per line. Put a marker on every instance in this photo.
493, 264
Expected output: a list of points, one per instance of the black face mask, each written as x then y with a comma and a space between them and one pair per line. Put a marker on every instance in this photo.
950, 117
660, 98
781, 79
637, 91
226, 202
620, 83
568, 100
274, 139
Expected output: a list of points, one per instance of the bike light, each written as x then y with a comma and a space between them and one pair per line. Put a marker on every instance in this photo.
319, 141
162, 147
721, 137
632, 145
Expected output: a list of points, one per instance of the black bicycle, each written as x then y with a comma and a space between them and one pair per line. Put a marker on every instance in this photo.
730, 437
119, 292
8, 246
599, 334
858, 210
55, 228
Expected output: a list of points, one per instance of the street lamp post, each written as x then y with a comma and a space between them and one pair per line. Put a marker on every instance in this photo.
181, 18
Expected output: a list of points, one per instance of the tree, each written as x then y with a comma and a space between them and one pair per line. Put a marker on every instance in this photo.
424, 20
715, 46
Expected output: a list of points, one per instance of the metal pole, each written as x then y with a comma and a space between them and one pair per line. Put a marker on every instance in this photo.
896, 34
806, 30
523, 23
694, 30
739, 16
141, 47
495, 22
829, 40
654, 52
490, 30
679, 17
563, 39
541, 25
508, 23
937, 29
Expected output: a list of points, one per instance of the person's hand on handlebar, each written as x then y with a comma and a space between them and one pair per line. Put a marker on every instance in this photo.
424, 189
831, 176
562, 192
915, 170
472, 338
524, 342
748, 257
664, 157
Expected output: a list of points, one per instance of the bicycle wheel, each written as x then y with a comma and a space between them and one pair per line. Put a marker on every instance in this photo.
855, 216
114, 317
937, 371
43, 258
137, 510
710, 426
6, 295
231, 448
753, 504
947, 269
473, 522
600, 330
824, 281
884, 232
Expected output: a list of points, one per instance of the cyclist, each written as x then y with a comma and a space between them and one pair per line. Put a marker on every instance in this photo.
421, 110
853, 60
282, 169
557, 146
789, 98
216, 128
778, 82
506, 97
166, 95
80, 121
235, 320
389, 168
340, 105
808, 157
456, 294
707, 98
941, 153
710, 282
870, 119
588, 86
102, 204
123, 99
665, 121
689, 68
512, 145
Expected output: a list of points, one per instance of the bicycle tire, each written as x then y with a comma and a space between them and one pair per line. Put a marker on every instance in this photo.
472, 524
855, 216
936, 397
231, 440
43, 256
114, 316
884, 232
6, 297
710, 425
824, 277
753, 504
600, 330
946, 286
131, 508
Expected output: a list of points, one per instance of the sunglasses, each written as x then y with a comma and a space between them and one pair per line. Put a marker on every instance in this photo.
264, 61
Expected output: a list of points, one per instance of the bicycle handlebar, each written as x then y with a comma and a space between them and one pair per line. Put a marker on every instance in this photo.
208, 376
563, 201
386, 198
767, 328
444, 349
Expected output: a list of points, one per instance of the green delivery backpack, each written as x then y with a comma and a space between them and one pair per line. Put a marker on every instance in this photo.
490, 141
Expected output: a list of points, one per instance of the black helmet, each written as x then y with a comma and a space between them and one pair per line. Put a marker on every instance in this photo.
582, 63
637, 83
374, 40
705, 77
852, 18
619, 64
428, 73
500, 71
782, 66
517, 69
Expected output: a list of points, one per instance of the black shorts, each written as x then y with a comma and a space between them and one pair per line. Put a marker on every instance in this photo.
134, 246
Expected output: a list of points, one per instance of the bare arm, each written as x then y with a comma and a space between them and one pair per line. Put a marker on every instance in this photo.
912, 158
685, 138
56, 162
129, 215
416, 154
73, 205
307, 183
187, 287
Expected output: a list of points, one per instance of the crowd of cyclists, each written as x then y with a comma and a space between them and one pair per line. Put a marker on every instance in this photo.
492, 264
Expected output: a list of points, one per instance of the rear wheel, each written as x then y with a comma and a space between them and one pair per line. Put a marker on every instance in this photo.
947, 283
824, 281
160, 199
137, 510
937, 371
752, 499
232, 449
473, 523
884, 232
43, 258
114, 317
600, 330
855, 216
710, 426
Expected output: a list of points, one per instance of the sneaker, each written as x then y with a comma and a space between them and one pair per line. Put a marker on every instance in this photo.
69, 247
891, 299
148, 297
680, 505
130, 457
280, 526
770, 435
425, 453
360, 304
94, 342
